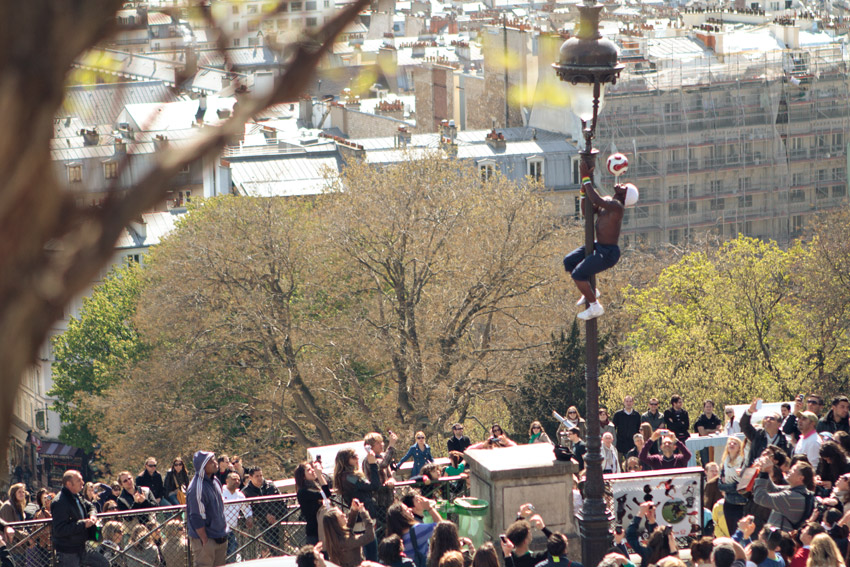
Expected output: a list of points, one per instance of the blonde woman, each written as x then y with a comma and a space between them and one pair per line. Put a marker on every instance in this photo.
730, 475
824, 553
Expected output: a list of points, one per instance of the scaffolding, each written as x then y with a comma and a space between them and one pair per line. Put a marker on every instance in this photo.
749, 142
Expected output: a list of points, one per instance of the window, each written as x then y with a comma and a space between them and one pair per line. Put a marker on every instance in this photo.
75, 173
576, 171
642, 212
253, 25
822, 175
745, 201
310, 6
673, 236
535, 169
797, 223
837, 173
673, 192
132, 258
822, 192
716, 186
839, 190
797, 196
838, 139
235, 9
798, 179
235, 42
252, 9
110, 170
487, 169
235, 26
745, 183
295, 6
282, 7
312, 22
327, 3
253, 41
718, 204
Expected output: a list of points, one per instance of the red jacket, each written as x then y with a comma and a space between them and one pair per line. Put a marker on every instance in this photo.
800, 557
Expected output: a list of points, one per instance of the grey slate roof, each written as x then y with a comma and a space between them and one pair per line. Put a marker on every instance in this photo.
101, 104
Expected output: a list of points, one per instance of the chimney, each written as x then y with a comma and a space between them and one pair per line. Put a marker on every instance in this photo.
402, 137
120, 146
140, 227
160, 142
90, 137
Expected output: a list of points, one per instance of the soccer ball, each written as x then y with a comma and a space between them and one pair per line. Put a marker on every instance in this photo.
618, 164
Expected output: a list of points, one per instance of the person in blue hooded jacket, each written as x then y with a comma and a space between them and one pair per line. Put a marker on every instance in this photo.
419, 452
205, 513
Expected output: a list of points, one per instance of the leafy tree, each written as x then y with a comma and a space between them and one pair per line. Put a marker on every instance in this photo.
95, 352
54, 242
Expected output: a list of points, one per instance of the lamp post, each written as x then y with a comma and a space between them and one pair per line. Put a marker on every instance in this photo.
587, 62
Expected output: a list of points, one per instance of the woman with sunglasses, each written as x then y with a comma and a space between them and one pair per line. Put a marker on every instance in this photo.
536, 434
420, 452
573, 420
176, 480
497, 439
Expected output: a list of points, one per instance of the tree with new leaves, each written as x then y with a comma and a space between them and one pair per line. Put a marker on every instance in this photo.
52, 243
94, 353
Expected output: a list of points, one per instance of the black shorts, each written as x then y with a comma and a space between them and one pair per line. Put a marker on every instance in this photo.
581, 268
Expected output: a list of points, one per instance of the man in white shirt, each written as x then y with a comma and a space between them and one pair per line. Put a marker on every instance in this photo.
231, 514
810, 442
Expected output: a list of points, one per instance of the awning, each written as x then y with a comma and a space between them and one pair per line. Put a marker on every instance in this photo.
55, 449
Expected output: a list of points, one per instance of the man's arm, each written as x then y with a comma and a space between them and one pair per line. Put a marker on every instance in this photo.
685, 455
747, 426
589, 191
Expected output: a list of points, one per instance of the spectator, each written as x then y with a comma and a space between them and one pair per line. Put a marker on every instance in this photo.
176, 481
711, 490
760, 438
110, 506
497, 439
344, 547
824, 553
88, 495
668, 459
310, 556
638, 441
810, 442
391, 552
707, 423
536, 433
843, 439
39, 554
730, 474
573, 419
73, 521
838, 532
831, 465
610, 458
579, 447
418, 504
385, 458
605, 425
633, 465
519, 536
151, 479
556, 552
787, 547
789, 422
452, 559
176, 543
265, 513
426, 481
626, 424
728, 553
807, 534
420, 452
652, 416
789, 507
15, 510
458, 441
416, 537
746, 528
701, 552
312, 491
841, 492
205, 513
732, 425
133, 497
236, 465
457, 466
661, 542
771, 537
485, 556
141, 552
814, 404
676, 419
110, 547
224, 468
445, 539
757, 554
231, 493
646, 431
838, 417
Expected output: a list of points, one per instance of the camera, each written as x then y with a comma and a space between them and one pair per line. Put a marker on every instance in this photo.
494, 439
668, 530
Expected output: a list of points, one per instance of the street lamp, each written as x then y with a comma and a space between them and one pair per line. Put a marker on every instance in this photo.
587, 62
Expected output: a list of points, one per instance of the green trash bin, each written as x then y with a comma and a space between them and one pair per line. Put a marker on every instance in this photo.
470, 518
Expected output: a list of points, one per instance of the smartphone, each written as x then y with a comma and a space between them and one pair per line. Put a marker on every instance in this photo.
531, 508
758, 405
668, 530
503, 538
318, 458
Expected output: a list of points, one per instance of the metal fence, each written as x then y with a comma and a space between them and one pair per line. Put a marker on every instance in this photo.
261, 527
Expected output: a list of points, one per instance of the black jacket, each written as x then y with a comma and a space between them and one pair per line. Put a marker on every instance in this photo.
758, 439
69, 532
152, 481
828, 424
262, 509
460, 445
126, 501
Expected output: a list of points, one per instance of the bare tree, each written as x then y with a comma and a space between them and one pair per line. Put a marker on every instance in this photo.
51, 246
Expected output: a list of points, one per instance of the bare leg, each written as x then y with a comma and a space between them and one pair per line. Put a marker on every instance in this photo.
587, 290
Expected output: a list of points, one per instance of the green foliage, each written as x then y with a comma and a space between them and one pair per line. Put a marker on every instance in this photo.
95, 351
726, 324
553, 385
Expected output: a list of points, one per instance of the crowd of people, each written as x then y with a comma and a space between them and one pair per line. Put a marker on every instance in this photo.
776, 497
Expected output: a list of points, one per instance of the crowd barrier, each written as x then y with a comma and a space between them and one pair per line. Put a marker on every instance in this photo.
262, 527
